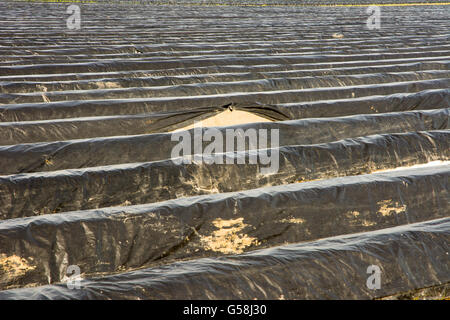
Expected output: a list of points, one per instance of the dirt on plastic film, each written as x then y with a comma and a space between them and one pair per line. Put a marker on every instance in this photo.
338, 266
116, 239
323, 55
440, 292
74, 154
41, 247
58, 191
100, 126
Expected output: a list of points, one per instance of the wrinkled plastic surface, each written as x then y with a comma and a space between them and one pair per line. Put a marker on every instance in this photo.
113, 239
41, 193
72, 154
333, 268
86, 179
261, 102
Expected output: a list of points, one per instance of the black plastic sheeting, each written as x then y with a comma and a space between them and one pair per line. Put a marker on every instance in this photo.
332, 268
425, 94
61, 82
50, 192
188, 62
113, 239
90, 127
74, 154
429, 99
197, 89
86, 177
98, 80
70, 50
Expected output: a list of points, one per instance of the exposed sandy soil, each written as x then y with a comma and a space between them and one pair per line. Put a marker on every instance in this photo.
227, 118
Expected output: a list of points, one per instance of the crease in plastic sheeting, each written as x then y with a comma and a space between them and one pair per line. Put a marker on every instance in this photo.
136, 183
131, 149
120, 238
419, 93
285, 272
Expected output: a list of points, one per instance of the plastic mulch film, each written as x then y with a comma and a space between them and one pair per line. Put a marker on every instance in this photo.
338, 266
31, 194
121, 238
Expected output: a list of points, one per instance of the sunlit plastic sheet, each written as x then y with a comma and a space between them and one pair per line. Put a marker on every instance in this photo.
50, 192
129, 149
209, 88
92, 127
430, 99
138, 78
71, 50
188, 62
116, 239
97, 80
79, 128
268, 40
426, 94
100, 126
332, 268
